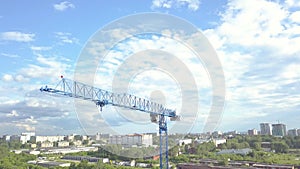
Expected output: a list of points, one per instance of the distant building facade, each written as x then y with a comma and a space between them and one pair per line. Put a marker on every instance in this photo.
293, 132
41, 139
279, 130
46, 144
25, 137
244, 151
252, 132
132, 139
216, 133
265, 129
63, 144
184, 141
218, 142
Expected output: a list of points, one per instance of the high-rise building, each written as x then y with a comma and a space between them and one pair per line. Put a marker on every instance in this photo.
279, 129
265, 129
252, 132
293, 132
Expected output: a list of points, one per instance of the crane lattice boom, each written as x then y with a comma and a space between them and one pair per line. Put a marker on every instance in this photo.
158, 112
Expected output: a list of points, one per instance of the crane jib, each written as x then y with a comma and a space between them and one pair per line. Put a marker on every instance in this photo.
101, 98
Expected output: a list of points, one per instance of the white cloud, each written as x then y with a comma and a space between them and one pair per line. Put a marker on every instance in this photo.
66, 37
45, 67
258, 23
190, 4
7, 78
21, 78
63, 6
26, 127
10, 55
252, 22
295, 17
17, 78
168, 81
17, 36
40, 48
292, 3
13, 113
31, 120
291, 72
256, 43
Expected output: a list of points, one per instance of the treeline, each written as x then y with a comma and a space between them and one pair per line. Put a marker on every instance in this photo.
280, 153
278, 144
10, 160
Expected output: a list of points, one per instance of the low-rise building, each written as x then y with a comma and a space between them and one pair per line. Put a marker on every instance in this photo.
63, 144
6, 137
218, 142
184, 141
77, 143
46, 144
244, 151
266, 146
87, 158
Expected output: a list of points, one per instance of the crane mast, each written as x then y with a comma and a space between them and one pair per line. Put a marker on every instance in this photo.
158, 113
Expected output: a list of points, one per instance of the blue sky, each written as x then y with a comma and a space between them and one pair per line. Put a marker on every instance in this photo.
257, 43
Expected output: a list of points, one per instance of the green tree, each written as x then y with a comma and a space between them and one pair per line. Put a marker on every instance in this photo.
84, 165
174, 151
85, 142
257, 146
280, 147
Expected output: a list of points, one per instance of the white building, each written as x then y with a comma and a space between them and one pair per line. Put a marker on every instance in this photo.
217, 142
98, 137
265, 129
252, 132
70, 137
6, 137
25, 137
63, 144
115, 139
77, 143
47, 144
132, 139
184, 141
47, 138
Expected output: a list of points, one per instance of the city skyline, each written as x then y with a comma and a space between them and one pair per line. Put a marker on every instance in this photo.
256, 42
258, 131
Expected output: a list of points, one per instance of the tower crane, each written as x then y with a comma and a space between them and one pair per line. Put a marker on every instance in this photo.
158, 113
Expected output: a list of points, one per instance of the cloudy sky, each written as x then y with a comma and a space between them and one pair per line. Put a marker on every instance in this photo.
257, 43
